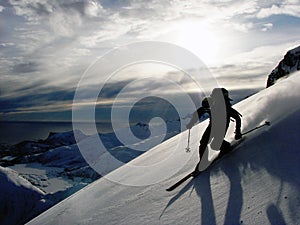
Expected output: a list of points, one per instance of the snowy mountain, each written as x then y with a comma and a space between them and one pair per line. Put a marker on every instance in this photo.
60, 150
20, 200
23, 151
289, 64
259, 183
65, 138
56, 168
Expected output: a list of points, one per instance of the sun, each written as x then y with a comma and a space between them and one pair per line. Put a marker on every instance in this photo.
197, 38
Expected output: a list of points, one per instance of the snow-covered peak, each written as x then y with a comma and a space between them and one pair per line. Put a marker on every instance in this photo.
257, 184
65, 138
289, 64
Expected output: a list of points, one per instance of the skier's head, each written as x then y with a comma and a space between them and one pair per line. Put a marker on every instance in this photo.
224, 91
225, 94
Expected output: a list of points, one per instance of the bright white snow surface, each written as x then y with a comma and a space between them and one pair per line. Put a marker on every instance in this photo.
259, 183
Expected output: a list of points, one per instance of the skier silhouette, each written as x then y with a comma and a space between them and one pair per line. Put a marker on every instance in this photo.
219, 109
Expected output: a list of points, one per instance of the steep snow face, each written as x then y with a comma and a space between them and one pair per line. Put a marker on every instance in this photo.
20, 200
289, 64
259, 183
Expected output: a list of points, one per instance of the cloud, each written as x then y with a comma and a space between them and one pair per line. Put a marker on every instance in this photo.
88, 8
64, 18
7, 44
250, 69
241, 76
36, 101
46, 45
267, 26
265, 54
291, 8
33, 9
243, 27
28, 67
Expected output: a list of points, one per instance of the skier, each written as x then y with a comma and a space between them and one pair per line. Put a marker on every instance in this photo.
222, 114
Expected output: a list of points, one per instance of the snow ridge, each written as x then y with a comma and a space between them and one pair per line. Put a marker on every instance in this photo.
20, 200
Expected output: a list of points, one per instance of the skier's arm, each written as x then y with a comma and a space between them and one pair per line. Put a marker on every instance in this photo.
196, 115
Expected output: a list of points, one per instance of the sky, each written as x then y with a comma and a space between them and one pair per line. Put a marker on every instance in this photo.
47, 46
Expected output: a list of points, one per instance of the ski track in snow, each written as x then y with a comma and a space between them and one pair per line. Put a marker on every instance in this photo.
259, 183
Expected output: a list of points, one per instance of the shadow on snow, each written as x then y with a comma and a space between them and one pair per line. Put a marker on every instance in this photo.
262, 152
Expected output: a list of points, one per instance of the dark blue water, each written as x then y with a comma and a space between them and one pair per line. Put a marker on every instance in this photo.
15, 132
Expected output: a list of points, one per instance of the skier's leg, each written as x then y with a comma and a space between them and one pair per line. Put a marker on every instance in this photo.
204, 141
203, 145
225, 148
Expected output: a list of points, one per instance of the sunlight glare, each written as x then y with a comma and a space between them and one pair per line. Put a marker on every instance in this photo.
199, 39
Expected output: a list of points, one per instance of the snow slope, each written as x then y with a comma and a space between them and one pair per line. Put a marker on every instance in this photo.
259, 183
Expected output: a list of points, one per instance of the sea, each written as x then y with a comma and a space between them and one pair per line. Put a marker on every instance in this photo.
13, 132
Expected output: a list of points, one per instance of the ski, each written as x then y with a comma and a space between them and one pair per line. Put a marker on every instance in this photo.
192, 174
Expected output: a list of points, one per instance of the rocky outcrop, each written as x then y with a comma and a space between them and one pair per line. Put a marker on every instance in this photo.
289, 64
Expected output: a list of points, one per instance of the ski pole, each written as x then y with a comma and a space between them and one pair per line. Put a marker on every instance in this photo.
267, 123
188, 145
